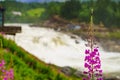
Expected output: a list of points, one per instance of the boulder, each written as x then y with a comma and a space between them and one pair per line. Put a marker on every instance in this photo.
78, 73
67, 70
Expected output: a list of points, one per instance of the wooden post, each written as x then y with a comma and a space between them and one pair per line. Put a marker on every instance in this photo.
2, 15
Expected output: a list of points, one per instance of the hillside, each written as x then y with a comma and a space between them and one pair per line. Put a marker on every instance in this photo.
26, 66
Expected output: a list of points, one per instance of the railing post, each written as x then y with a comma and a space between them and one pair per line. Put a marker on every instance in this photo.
2, 10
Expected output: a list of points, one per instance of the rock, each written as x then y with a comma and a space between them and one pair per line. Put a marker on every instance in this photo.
73, 36
112, 76
67, 70
111, 79
77, 42
110, 45
78, 73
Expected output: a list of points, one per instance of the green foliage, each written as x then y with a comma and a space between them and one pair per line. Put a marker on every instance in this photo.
35, 12
53, 8
26, 66
84, 13
70, 9
105, 11
31, 12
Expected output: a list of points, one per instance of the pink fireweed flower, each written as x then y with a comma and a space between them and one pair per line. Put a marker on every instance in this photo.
86, 51
2, 63
6, 74
92, 65
5, 79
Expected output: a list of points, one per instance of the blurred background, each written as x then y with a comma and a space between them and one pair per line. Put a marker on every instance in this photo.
67, 22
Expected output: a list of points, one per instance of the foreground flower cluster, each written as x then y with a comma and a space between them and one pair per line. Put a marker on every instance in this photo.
93, 65
5, 74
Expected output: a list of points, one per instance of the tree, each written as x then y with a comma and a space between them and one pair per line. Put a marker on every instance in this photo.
70, 9
54, 8
105, 12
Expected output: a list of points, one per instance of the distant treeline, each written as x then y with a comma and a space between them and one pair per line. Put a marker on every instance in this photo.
105, 11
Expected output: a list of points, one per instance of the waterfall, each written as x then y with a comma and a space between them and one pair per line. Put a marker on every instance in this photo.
61, 49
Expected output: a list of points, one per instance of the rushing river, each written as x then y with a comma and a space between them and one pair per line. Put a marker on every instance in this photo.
60, 49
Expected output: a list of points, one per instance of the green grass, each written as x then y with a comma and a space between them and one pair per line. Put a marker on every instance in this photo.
109, 35
115, 34
26, 66
35, 12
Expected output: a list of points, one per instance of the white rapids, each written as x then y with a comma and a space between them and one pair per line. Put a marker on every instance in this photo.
60, 49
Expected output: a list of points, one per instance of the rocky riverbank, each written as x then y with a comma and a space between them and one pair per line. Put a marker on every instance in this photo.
111, 45
73, 72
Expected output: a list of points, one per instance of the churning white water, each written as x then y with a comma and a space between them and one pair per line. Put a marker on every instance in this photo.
60, 49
